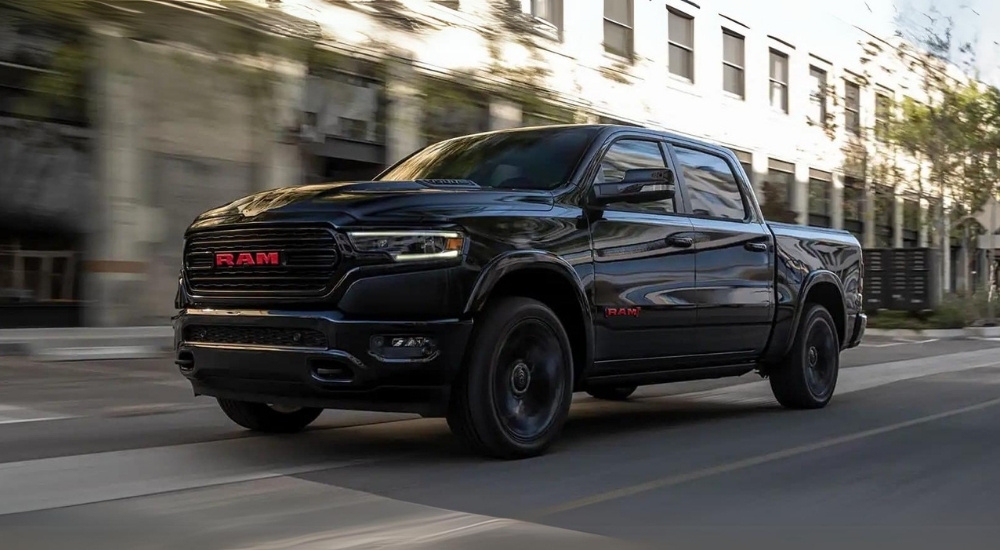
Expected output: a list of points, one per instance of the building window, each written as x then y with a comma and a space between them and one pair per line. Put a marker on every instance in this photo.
885, 206
681, 38
618, 27
733, 59
746, 161
852, 108
779, 81
854, 207
883, 111
820, 184
817, 96
549, 11
778, 191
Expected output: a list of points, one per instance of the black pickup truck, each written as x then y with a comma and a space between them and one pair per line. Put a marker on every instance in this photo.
487, 278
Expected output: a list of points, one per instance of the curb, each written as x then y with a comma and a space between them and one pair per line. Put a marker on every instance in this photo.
941, 334
87, 344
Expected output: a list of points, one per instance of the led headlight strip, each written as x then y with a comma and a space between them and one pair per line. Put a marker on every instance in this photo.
404, 245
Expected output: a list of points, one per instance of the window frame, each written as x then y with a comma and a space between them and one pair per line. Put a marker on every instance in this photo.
786, 107
671, 43
556, 13
749, 210
741, 68
848, 83
883, 113
629, 25
681, 206
820, 95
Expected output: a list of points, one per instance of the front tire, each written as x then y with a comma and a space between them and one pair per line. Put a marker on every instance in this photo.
261, 417
612, 393
514, 394
808, 376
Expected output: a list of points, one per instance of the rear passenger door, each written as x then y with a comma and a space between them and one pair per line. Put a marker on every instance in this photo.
734, 255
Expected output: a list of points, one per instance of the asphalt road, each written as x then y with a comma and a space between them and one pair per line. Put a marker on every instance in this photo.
118, 454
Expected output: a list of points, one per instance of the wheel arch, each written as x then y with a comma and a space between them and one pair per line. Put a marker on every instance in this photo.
548, 279
819, 287
823, 288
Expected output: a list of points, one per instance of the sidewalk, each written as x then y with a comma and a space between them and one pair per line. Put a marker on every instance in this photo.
69, 344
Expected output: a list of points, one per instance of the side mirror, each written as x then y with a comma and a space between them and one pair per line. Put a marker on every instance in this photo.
639, 185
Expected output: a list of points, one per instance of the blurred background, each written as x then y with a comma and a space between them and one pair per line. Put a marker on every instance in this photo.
121, 120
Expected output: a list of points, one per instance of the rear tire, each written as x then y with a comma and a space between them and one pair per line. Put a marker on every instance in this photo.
261, 417
513, 395
611, 393
808, 377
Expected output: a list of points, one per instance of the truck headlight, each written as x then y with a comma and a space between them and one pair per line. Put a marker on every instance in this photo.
405, 246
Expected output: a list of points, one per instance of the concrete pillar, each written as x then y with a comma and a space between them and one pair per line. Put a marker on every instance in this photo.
869, 216
404, 113
761, 167
504, 114
924, 231
837, 202
114, 265
281, 158
897, 222
800, 194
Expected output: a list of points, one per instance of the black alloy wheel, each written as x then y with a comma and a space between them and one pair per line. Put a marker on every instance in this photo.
514, 393
808, 377
529, 379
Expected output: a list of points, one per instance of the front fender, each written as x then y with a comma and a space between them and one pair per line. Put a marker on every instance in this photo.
510, 262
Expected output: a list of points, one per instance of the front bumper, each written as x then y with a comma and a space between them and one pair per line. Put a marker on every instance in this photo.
319, 359
858, 330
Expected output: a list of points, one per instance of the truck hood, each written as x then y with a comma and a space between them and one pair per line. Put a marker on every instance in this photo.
345, 203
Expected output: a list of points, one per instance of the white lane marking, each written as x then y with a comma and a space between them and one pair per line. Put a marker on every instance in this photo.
13, 414
755, 461
82, 479
899, 342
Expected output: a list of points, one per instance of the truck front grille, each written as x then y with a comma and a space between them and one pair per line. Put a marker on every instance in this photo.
306, 262
255, 336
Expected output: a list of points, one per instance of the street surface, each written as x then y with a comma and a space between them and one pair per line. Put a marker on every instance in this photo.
118, 454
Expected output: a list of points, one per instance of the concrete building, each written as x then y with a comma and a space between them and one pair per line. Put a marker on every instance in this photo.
187, 105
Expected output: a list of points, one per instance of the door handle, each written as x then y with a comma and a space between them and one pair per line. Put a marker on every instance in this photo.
680, 242
756, 247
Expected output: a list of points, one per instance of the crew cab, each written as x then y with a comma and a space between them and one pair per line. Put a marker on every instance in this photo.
486, 278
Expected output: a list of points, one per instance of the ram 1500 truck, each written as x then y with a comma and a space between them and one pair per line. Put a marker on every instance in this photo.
486, 278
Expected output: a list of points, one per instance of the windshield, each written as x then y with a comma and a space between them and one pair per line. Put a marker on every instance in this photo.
541, 159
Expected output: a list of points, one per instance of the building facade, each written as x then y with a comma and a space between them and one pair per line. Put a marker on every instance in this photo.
183, 106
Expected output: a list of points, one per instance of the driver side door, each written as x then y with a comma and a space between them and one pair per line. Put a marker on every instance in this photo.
644, 269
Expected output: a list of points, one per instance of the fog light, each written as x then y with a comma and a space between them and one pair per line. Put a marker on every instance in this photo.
403, 348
